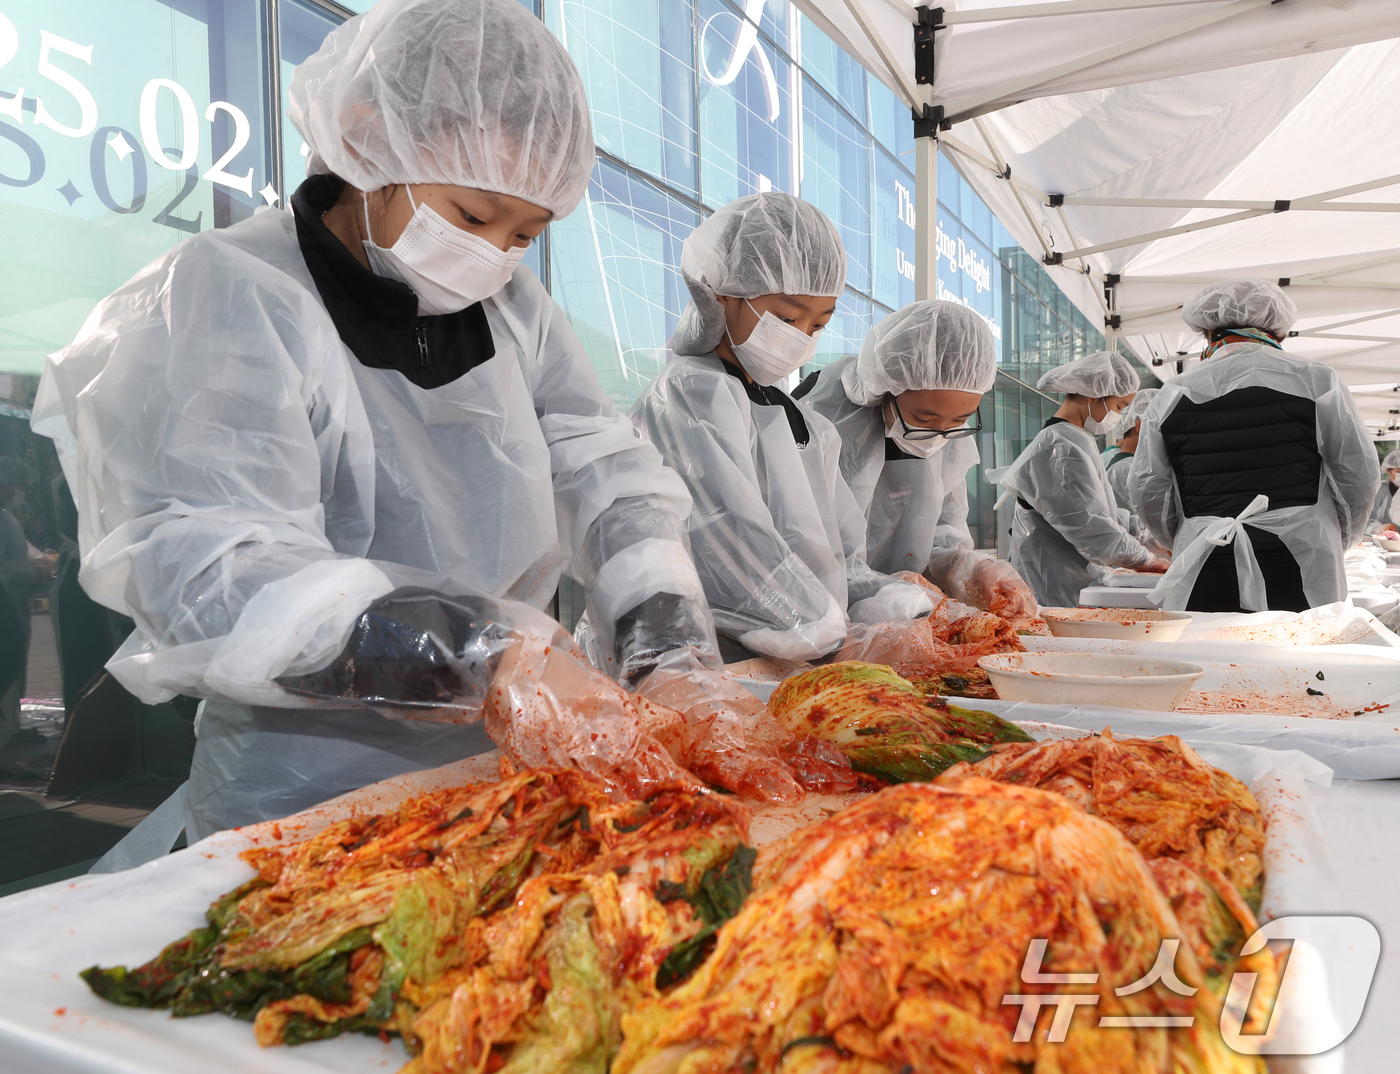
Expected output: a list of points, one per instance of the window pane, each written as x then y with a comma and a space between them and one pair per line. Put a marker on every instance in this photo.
613, 267
88, 196
836, 178
86, 193
834, 70
844, 333
304, 27
891, 122
643, 109
893, 283
746, 112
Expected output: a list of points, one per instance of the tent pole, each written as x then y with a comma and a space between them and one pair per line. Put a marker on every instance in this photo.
926, 218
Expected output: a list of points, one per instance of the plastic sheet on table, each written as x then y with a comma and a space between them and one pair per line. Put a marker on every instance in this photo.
50, 1022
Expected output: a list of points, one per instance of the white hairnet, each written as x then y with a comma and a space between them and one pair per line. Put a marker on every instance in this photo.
1096, 375
764, 244
473, 93
1243, 303
925, 346
1133, 412
1392, 461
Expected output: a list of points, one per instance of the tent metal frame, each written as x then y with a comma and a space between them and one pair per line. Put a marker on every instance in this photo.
964, 108
932, 122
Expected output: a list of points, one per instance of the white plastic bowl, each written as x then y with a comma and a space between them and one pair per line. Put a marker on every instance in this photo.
1154, 624
1388, 575
1123, 682
1387, 544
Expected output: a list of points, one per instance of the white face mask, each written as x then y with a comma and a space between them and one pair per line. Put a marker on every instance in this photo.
449, 269
922, 448
1110, 419
774, 349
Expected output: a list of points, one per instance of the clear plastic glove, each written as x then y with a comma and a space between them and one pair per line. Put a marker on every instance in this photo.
896, 602
419, 654
807, 641
989, 584
950, 641
1157, 565
729, 738
548, 707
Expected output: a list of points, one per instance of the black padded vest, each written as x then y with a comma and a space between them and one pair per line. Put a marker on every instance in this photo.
1251, 440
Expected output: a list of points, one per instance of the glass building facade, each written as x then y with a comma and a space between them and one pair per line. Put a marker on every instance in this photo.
125, 127
128, 125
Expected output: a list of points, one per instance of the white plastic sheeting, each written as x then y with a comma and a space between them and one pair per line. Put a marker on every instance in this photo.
50, 1023
989, 55
1260, 104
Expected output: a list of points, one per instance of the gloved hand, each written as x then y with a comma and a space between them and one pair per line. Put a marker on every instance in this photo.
991, 585
662, 624
419, 654
896, 602
548, 707
729, 737
1006, 593
1157, 565
807, 641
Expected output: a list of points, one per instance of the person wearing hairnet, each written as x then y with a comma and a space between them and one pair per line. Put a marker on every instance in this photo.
1119, 465
1385, 507
904, 407
778, 538
1066, 521
333, 461
1254, 466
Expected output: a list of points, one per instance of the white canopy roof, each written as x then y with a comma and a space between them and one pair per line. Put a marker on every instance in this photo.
1189, 141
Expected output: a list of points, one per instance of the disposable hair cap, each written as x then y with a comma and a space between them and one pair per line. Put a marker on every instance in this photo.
1096, 375
763, 244
1242, 303
925, 346
473, 93
1133, 412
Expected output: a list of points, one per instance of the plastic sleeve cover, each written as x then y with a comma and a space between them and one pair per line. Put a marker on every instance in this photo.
422, 653
646, 598
1350, 459
862, 580
895, 602
1151, 482
751, 578
621, 512
1061, 481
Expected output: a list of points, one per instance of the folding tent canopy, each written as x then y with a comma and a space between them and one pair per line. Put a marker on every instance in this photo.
1147, 147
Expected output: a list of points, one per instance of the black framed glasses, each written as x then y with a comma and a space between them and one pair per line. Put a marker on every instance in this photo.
912, 433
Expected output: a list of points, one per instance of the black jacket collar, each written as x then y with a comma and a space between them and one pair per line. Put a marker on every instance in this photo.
772, 396
377, 318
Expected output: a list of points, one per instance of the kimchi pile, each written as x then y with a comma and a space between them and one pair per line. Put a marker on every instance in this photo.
538, 924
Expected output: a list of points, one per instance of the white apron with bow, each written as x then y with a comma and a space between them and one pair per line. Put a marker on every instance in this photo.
1324, 577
